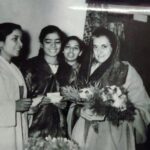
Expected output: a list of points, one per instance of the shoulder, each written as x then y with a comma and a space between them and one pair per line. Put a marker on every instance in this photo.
132, 72
133, 77
33, 60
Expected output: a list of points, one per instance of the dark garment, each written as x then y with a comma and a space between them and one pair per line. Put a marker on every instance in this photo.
111, 72
46, 121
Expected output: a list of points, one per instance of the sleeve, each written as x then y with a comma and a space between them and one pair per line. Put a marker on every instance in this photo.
7, 107
139, 97
72, 117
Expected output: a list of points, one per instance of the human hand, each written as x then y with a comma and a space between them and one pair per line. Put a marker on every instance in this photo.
90, 115
45, 100
61, 105
23, 105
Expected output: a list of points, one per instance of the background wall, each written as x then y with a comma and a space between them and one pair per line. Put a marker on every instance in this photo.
69, 15
33, 15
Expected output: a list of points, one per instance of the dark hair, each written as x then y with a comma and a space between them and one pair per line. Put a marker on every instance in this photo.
80, 42
82, 45
101, 31
7, 28
51, 29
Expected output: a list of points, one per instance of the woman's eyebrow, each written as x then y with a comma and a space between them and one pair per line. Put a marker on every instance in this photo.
16, 36
47, 39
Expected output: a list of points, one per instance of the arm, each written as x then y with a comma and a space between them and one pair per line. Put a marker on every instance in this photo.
73, 115
139, 97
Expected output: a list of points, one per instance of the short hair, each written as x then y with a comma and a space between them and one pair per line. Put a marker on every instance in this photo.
7, 28
81, 43
101, 31
51, 29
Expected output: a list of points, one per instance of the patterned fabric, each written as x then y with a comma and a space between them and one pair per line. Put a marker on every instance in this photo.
95, 19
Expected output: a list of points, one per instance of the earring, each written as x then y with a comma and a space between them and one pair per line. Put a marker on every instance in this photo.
41, 45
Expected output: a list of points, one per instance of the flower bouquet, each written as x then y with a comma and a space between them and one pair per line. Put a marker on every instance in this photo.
111, 103
49, 143
79, 96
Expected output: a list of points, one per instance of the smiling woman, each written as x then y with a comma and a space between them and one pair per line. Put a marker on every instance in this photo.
51, 45
105, 69
73, 48
42, 77
13, 101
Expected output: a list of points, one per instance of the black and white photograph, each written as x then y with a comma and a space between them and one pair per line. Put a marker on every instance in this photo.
74, 75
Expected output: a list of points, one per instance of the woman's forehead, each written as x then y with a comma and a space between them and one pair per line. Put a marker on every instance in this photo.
101, 39
15, 33
52, 36
72, 41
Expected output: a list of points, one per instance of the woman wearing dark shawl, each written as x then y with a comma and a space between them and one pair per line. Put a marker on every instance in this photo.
43, 75
105, 67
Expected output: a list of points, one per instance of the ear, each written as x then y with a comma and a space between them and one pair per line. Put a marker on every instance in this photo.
41, 45
1, 45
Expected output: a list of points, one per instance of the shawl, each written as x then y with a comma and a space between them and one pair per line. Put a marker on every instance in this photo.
111, 72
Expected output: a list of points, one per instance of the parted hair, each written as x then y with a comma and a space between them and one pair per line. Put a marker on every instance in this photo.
7, 28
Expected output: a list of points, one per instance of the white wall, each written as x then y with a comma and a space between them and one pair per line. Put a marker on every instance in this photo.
33, 15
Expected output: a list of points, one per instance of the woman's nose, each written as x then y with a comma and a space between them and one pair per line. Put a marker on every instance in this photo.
53, 44
100, 50
71, 49
20, 43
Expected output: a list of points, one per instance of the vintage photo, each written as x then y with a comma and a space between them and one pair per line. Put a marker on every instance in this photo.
74, 75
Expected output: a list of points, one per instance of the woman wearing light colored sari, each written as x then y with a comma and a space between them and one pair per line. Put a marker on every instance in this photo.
13, 101
105, 67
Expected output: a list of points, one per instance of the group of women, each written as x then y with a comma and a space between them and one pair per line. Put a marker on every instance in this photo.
59, 64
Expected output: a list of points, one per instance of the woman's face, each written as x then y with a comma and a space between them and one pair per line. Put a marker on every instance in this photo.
72, 50
12, 44
102, 48
52, 44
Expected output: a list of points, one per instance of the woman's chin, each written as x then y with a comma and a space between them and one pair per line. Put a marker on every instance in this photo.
16, 54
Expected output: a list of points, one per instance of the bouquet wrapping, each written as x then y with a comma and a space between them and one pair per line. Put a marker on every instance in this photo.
110, 102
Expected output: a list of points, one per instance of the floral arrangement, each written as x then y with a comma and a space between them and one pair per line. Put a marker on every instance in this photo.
112, 102
59, 143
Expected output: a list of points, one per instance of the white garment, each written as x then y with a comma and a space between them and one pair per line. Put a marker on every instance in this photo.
127, 133
54, 68
13, 125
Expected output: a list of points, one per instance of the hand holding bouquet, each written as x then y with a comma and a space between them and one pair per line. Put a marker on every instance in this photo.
110, 101
78, 96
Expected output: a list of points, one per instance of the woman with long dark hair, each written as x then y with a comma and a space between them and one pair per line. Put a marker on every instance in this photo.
105, 68
73, 48
43, 76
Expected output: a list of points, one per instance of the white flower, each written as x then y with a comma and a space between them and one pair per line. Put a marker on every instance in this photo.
85, 93
117, 97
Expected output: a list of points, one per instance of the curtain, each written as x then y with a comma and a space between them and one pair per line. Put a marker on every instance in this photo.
94, 19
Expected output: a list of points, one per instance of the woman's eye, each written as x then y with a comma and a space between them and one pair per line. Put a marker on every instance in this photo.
95, 47
15, 39
58, 42
47, 42
76, 48
104, 46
